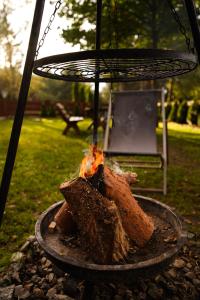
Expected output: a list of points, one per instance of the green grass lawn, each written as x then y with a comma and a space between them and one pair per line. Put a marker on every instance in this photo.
46, 158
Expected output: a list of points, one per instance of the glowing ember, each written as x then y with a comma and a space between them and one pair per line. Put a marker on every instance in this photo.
91, 161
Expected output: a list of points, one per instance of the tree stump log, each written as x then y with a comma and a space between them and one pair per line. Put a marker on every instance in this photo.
136, 223
98, 220
64, 220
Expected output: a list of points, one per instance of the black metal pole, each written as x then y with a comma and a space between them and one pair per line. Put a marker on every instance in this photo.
191, 11
22, 98
96, 91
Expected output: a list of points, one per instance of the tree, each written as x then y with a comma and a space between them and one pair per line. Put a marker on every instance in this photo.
48, 89
9, 48
124, 23
138, 23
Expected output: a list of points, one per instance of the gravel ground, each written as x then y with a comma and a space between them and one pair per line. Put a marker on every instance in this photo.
32, 276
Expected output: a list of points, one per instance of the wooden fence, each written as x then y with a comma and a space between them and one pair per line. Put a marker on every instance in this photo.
37, 108
8, 108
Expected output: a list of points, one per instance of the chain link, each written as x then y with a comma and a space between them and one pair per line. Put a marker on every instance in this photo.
182, 29
48, 27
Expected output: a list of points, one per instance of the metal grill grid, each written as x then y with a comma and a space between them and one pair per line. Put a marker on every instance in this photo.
116, 65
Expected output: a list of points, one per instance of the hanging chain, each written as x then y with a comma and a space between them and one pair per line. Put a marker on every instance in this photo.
182, 28
48, 27
116, 23
109, 24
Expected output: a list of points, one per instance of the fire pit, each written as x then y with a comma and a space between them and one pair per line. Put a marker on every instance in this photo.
166, 241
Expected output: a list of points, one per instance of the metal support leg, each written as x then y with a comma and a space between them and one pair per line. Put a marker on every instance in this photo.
22, 98
96, 92
96, 113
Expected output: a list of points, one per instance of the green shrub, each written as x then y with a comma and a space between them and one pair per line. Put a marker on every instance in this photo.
182, 112
192, 116
51, 111
173, 112
44, 110
47, 110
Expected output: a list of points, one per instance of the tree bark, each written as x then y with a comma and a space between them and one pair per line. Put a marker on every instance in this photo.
136, 223
64, 220
98, 220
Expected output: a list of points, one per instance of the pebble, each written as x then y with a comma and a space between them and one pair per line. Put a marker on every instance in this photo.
34, 277
48, 264
17, 257
51, 293
189, 265
179, 263
37, 292
6, 293
15, 277
50, 277
172, 273
21, 292
43, 260
190, 275
31, 238
196, 282
154, 292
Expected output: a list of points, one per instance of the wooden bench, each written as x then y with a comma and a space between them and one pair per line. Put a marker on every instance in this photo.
71, 121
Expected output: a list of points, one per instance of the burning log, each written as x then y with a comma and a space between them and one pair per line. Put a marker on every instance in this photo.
138, 226
98, 221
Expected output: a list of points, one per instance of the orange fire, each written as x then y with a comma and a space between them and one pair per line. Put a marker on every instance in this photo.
91, 161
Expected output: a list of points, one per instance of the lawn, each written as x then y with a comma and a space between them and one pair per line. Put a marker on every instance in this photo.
46, 158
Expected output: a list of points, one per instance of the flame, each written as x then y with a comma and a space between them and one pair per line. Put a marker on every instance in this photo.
91, 161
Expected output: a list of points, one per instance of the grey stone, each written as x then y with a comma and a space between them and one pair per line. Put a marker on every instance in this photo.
189, 265
15, 277
35, 278
142, 295
190, 275
51, 277
37, 292
196, 282
186, 270
60, 284
45, 286
129, 294
51, 293
28, 286
154, 292
58, 272
179, 263
17, 257
171, 288
31, 238
48, 264
6, 293
43, 260
21, 292
172, 273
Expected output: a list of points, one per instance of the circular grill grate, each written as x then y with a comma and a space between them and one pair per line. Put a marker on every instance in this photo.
115, 65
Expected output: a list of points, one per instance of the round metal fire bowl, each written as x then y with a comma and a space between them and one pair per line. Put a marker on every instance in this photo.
115, 65
127, 273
